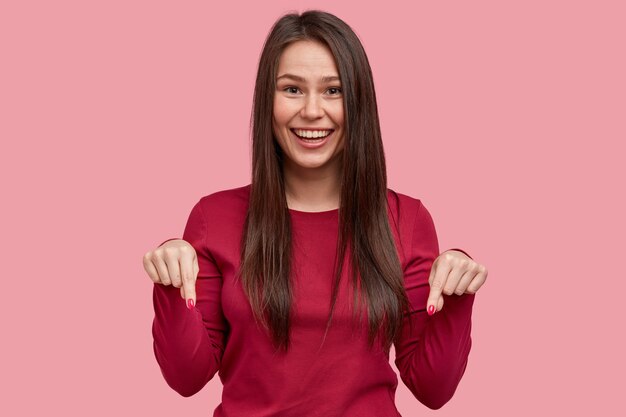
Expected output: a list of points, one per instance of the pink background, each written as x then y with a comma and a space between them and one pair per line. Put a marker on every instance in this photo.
117, 116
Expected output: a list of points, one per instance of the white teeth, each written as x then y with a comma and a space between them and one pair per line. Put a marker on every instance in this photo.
312, 133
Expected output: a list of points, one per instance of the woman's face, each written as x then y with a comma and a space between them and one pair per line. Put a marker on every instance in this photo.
305, 103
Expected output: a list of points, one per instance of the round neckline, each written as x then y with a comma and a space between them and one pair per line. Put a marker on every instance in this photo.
314, 214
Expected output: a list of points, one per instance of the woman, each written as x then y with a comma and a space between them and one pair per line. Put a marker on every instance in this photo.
271, 303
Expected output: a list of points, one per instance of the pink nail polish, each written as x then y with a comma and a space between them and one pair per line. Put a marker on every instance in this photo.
431, 310
190, 304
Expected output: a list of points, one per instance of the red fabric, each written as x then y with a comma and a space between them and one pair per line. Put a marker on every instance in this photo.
339, 378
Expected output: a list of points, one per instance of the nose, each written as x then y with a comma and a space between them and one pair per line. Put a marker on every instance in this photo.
312, 107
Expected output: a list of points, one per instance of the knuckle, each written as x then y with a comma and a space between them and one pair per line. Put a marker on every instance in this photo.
170, 251
147, 259
448, 257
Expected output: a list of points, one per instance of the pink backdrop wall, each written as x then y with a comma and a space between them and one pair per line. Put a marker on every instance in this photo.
117, 116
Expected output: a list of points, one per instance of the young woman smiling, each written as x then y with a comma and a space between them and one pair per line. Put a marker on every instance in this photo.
298, 284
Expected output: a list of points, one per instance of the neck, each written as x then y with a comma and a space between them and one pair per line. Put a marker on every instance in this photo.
312, 189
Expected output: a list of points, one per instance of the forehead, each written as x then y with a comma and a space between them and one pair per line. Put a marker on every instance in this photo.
307, 58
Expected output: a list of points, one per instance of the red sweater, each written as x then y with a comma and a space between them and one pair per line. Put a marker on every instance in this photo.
343, 378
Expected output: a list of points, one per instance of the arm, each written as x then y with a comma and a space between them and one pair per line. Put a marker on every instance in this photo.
189, 344
432, 351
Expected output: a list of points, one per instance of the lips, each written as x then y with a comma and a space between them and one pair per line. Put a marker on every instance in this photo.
293, 129
313, 145
312, 128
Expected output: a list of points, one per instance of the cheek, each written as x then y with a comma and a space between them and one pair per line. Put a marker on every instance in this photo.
278, 122
281, 111
338, 113
341, 144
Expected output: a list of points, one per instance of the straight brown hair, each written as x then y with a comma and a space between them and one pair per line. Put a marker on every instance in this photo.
266, 244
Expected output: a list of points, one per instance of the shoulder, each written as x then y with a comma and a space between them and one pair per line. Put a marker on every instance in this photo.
228, 200
402, 207
413, 224
403, 216
410, 211
224, 208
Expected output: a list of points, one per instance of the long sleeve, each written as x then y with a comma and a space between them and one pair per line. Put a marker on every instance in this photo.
432, 351
189, 344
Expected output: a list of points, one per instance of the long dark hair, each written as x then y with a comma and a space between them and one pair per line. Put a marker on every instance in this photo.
363, 221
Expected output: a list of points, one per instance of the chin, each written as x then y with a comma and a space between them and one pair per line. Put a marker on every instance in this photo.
304, 165
310, 164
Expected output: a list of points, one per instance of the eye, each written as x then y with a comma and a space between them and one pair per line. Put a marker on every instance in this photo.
290, 88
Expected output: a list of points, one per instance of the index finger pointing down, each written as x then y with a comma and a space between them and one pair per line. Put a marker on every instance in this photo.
437, 280
189, 272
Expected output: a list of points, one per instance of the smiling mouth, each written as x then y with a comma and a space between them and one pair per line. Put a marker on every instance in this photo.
311, 134
313, 143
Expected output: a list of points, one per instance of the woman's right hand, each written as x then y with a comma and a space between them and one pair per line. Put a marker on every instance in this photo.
174, 263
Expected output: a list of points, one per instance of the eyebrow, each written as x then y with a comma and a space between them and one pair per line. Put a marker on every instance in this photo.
324, 79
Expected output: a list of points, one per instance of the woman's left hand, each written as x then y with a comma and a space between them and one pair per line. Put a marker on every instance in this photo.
453, 272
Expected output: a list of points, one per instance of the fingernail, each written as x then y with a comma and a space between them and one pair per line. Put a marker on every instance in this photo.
431, 310
190, 304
